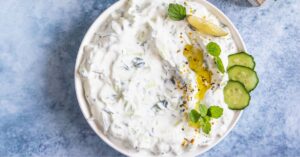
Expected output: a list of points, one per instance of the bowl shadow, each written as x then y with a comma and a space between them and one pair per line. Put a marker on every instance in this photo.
241, 3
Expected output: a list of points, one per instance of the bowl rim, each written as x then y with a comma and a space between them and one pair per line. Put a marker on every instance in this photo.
79, 87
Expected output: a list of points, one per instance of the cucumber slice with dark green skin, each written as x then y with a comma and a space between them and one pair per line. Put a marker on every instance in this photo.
242, 59
245, 75
236, 96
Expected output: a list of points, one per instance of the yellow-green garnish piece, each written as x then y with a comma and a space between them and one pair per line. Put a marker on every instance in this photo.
205, 27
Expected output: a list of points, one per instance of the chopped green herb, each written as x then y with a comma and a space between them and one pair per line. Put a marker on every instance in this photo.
219, 64
213, 49
194, 116
202, 110
176, 12
215, 111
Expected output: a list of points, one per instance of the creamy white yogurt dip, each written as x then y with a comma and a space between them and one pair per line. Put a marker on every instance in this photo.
138, 84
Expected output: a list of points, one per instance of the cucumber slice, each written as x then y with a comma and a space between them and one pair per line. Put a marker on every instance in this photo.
236, 95
242, 59
245, 75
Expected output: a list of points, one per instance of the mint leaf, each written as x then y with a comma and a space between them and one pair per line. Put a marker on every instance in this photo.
220, 65
201, 121
207, 127
213, 49
215, 111
206, 118
176, 12
202, 110
194, 116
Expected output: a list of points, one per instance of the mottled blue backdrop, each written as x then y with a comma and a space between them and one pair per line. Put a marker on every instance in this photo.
39, 113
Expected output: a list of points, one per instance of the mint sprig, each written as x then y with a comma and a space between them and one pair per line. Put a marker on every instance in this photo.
215, 50
203, 115
176, 12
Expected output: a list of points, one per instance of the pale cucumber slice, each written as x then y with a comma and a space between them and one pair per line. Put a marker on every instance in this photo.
236, 95
242, 59
245, 75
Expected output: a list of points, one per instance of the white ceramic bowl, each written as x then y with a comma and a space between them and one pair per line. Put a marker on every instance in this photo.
79, 87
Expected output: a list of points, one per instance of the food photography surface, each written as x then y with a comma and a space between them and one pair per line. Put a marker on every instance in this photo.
149, 78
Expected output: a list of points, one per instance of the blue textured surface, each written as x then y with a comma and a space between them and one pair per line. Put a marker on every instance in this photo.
39, 113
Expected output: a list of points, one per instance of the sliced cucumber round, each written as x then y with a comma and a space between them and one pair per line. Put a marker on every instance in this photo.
245, 75
236, 95
241, 58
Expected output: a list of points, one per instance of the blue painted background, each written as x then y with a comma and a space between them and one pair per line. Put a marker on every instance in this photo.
39, 113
